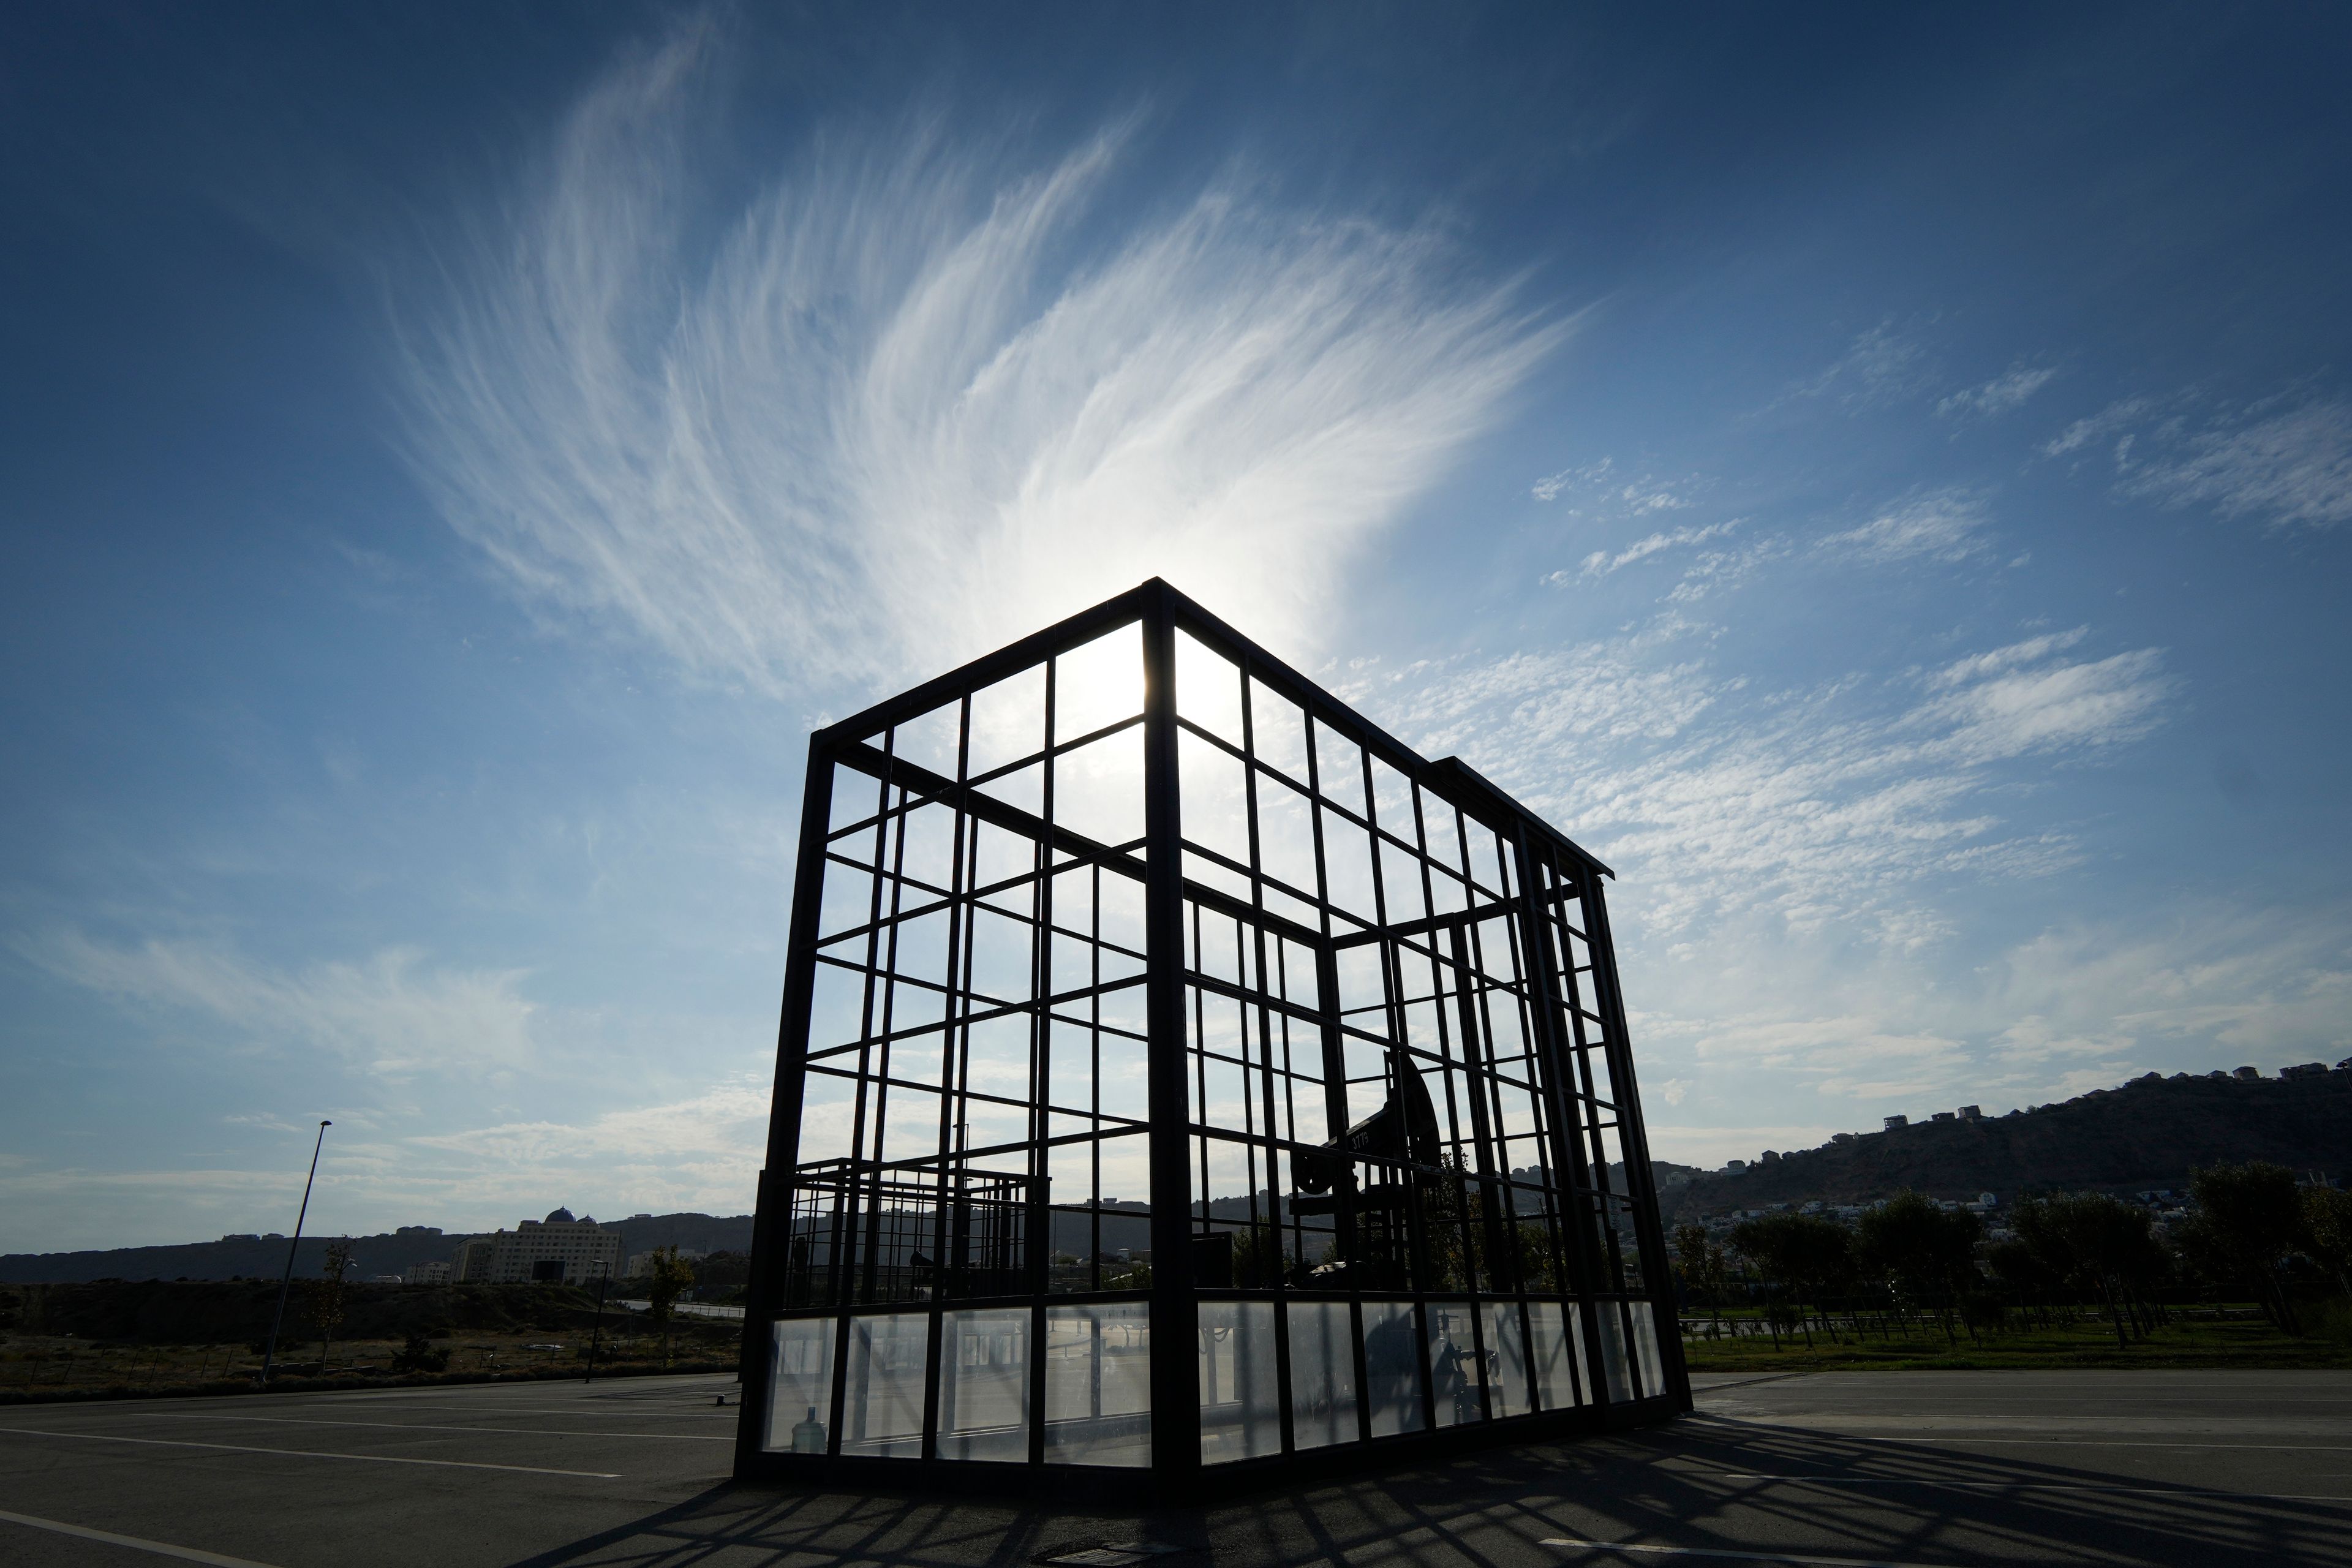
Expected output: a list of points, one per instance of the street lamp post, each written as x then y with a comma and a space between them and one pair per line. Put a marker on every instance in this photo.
286, 1284
604, 1282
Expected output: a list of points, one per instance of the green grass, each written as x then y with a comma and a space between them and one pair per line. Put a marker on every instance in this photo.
2089, 1343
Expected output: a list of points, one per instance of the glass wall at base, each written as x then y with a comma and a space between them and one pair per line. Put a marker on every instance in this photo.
1099, 1385
1322, 1374
1614, 1364
1391, 1369
1458, 1368
984, 1386
1240, 1392
1510, 1376
1645, 1350
882, 1408
1556, 1346
799, 1384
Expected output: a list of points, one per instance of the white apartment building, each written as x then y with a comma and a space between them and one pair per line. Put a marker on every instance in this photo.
558, 1247
427, 1274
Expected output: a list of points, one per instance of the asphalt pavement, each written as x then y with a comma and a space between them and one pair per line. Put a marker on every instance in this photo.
2113, 1469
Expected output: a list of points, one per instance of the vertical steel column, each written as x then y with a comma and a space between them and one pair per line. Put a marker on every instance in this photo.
1579, 1246
773, 1236
1175, 1362
1634, 1135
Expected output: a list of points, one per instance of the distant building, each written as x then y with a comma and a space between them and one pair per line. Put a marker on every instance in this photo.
386, 1280
427, 1274
1841, 1137
245, 1237
1988, 1200
1972, 1114
1941, 1116
418, 1230
1770, 1157
1895, 1122
2248, 1073
557, 1249
1727, 1164
2305, 1070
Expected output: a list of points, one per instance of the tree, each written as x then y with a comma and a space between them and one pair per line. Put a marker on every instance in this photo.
667, 1277
1703, 1267
2327, 1232
328, 1295
2098, 1244
2249, 1219
1923, 1251
1806, 1255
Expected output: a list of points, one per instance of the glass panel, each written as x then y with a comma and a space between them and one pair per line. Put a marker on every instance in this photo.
1556, 1347
1506, 1357
1099, 1385
984, 1386
1392, 1368
1241, 1413
799, 1384
1457, 1373
883, 1414
1645, 1347
1322, 1374
1614, 1365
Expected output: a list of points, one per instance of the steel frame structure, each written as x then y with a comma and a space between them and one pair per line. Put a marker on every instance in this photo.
1142, 995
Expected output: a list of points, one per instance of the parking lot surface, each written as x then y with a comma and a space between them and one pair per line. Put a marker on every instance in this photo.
1928, 1469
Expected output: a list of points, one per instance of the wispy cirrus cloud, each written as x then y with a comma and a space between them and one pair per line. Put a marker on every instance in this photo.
391, 1015
2003, 393
1838, 804
2285, 461
1947, 525
2289, 466
912, 404
1602, 563
1883, 365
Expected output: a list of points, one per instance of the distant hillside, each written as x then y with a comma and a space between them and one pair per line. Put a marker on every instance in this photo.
392, 1253
2147, 1133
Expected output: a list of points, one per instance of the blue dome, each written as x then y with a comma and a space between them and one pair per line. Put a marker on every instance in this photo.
564, 1215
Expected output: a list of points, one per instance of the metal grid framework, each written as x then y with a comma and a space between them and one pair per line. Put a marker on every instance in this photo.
1176, 1072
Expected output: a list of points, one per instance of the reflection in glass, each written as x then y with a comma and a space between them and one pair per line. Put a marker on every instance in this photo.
1099, 1385
1556, 1349
1458, 1372
1391, 1369
883, 1413
1646, 1346
1613, 1365
1322, 1374
1507, 1358
1241, 1410
984, 1386
800, 1386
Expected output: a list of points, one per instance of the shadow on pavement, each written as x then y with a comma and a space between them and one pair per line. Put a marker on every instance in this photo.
1707, 1483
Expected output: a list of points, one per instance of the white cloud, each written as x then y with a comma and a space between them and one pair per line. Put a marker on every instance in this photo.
1948, 525
2002, 393
907, 409
391, 1015
1882, 365
1600, 562
2114, 416
1823, 807
2286, 466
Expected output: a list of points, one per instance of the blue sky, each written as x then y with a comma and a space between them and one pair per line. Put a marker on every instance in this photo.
1884, 482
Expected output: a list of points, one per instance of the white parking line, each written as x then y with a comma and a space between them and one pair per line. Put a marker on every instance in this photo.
1735, 1556
312, 1454
2183, 1491
160, 1547
433, 1427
